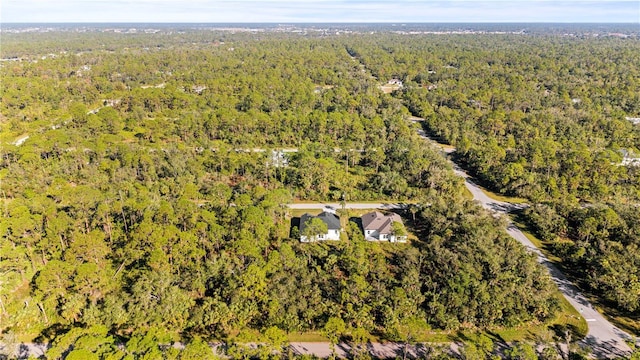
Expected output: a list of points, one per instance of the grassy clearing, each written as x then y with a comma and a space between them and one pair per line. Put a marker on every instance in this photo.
307, 337
571, 318
624, 321
489, 193
542, 245
350, 212
466, 193
10, 137
359, 212
567, 317
300, 212
503, 198
388, 89
446, 148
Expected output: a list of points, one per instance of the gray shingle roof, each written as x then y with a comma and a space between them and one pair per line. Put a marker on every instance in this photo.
380, 222
332, 220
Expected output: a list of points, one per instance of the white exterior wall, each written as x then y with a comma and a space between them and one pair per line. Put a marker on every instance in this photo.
331, 235
397, 239
371, 235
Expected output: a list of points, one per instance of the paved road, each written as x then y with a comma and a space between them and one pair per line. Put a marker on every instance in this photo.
605, 339
376, 350
23, 350
388, 350
19, 141
335, 206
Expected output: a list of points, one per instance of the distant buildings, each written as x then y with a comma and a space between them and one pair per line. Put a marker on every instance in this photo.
278, 159
396, 82
635, 120
629, 158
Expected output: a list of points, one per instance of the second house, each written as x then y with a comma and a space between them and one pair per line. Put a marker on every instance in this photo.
383, 227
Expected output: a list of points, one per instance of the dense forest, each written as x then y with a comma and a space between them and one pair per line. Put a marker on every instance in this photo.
544, 118
143, 201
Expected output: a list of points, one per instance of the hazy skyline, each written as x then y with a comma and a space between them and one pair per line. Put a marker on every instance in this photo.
620, 11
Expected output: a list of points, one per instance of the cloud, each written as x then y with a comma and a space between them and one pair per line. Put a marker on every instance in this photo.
319, 11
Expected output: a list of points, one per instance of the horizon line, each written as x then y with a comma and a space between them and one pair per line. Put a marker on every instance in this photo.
323, 22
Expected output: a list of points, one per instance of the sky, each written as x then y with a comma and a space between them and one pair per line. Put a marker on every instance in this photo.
282, 11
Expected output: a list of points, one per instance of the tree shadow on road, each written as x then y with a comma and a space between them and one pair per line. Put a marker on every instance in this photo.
604, 349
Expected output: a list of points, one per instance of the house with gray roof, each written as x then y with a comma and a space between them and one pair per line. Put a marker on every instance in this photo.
329, 218
379, 227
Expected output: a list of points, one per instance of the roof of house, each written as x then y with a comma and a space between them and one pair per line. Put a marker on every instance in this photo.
332, 220
379, 221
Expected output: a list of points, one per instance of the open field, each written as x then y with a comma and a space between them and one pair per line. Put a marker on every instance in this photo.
389, 88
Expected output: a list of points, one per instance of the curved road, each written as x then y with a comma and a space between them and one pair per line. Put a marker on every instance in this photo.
605, 339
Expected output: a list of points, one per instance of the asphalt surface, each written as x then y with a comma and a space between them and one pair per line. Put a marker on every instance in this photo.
320, 349
605, 339
348, 205
376, 350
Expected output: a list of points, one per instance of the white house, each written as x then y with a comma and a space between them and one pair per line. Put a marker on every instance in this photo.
378, 227
333, 226
278, 159
394, 81
635, 120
